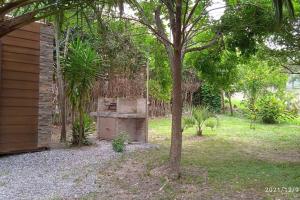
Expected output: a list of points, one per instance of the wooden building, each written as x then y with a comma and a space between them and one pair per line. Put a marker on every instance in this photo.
26, 61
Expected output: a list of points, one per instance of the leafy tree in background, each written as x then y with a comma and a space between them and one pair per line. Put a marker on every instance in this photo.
286, 43
258, 78
208, 96
160, 82
219, 69
246, 24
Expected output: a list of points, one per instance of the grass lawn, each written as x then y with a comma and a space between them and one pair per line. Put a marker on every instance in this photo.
231, 162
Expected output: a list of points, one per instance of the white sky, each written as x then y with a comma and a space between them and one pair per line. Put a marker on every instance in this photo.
216, 7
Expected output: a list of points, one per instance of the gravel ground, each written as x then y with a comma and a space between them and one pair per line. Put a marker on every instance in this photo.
56, 174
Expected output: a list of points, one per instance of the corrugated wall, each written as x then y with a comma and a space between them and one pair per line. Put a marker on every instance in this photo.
19, 89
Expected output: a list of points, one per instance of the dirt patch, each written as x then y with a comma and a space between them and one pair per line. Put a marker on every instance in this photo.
55, 135
141, 176
129, 179
197, 138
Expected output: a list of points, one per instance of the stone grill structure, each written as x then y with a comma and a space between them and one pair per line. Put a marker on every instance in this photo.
122, 116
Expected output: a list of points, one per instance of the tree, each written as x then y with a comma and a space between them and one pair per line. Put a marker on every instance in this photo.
185, 20
286, 43
60, 82
258, 78
219, 68
81, 71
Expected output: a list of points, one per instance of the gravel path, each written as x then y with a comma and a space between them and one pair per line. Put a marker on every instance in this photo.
55, 174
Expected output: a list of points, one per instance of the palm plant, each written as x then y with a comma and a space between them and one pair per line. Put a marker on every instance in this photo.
197, 117
80, 71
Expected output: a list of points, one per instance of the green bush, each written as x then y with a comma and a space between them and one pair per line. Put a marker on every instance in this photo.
211, 123
209, 97
271, 109
88, 128
197, 117
118, 143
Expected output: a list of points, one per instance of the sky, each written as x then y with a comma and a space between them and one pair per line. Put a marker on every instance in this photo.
217, 9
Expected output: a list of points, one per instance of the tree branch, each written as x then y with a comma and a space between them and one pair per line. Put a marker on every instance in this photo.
185, 23
10, 24
290, 70
206, 46
153, 30
6, 8
158, 22
168, 5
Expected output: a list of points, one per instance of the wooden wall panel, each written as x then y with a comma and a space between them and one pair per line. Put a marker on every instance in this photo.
18, 102
18, 120
20, 58
18, 111
16, 84
14, 66
18, 93
19, 89
24, 34
21, 50
17, 129
21, 76
11, 147
33, 27
14, 41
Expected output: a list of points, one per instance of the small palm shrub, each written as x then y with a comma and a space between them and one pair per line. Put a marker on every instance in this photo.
118, 143
197, 117
81, 70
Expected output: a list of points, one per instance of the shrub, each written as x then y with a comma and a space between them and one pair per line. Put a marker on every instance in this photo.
209, 97
250, 111
118, 143
88, 128
272, 109
197, 117
211, 123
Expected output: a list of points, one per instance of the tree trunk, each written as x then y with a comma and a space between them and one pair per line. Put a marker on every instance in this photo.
199, 132
176, 65
222, 102
176, 138
230, 104
81, 129
60, 82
